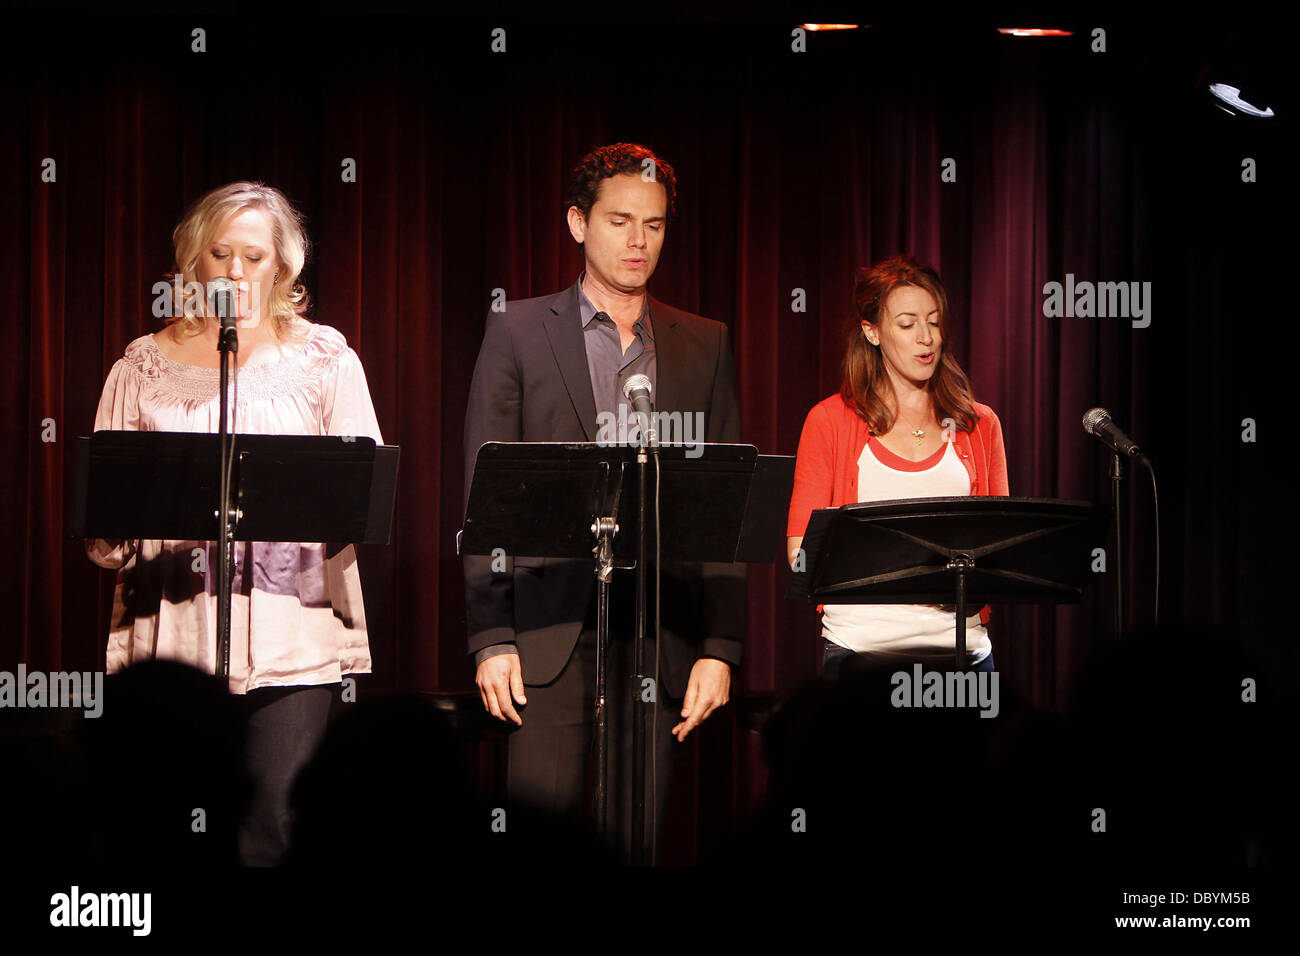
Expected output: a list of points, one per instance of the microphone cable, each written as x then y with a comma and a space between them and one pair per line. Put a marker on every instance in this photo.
654, 736
1155, 496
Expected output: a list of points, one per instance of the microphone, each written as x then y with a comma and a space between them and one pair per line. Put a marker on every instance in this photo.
221, 293
637, 391
1097, 421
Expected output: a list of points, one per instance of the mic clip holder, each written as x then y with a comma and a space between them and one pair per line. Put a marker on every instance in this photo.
228, 340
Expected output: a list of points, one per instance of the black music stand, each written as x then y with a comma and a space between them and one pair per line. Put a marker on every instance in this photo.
978, 549
133, 484
719, 503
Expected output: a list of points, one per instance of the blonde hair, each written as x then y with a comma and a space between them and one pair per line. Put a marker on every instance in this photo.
287, 301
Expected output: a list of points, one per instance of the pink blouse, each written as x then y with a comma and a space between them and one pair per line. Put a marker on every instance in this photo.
296, 615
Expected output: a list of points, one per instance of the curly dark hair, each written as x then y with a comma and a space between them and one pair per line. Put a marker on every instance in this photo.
615, 160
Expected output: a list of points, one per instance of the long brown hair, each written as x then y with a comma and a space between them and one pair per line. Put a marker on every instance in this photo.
866, 387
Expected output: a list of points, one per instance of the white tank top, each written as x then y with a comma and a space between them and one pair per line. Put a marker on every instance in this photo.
905, 630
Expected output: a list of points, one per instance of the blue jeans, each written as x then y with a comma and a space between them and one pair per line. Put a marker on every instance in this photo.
834, 655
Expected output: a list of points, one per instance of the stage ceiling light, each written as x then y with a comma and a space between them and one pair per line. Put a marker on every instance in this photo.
1035, 32
1235, 104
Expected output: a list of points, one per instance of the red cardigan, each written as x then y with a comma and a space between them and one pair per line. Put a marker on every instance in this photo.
826, 469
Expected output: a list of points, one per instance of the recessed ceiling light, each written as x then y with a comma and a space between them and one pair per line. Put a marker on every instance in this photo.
1035, 32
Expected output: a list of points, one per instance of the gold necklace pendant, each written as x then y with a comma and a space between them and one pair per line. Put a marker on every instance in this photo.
918, 434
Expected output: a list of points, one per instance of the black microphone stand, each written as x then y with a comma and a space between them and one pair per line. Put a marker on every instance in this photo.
1116, 475
649, 445
227, 345
1098, 423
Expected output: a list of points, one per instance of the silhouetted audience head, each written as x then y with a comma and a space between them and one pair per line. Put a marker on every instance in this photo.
390, 784
1173, 753
166, 767
1161, 762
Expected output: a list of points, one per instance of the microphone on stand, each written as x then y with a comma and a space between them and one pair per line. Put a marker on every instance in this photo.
1097, 422
221, 295
637, 391
221, 299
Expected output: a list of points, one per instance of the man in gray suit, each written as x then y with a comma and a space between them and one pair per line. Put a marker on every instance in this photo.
551, 369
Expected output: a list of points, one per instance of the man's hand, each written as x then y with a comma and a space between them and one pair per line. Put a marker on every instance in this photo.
499, 678
709, 688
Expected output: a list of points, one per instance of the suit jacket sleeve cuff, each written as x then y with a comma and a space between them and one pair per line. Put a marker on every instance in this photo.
491, 636
493, 651
723, 648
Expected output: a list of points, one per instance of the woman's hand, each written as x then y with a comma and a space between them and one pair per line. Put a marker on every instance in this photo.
110, 553
792, 548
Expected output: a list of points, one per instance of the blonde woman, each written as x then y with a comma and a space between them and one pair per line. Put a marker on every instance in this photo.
297, 621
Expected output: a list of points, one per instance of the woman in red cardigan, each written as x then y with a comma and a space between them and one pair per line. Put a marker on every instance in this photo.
904, 425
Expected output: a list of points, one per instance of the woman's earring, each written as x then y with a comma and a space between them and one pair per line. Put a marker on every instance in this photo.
275, 279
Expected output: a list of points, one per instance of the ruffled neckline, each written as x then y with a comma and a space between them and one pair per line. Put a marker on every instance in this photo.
301, 369
162, 359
